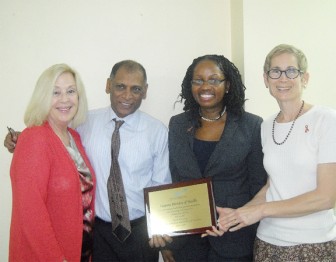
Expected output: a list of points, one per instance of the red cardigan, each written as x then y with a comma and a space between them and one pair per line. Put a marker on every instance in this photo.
47, 211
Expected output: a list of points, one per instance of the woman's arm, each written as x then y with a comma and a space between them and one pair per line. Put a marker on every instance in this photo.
227, 217
30, 172
322, 198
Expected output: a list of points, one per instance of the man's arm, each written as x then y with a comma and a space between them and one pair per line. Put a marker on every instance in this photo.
11, 139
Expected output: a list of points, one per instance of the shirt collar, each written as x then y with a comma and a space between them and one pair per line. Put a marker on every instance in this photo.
130, 120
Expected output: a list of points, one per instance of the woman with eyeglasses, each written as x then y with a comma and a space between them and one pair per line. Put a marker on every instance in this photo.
215, 137
296, 208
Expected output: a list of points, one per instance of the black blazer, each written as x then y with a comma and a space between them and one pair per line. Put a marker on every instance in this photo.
236, 168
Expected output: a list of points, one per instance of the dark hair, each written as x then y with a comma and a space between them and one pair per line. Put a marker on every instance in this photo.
129, 65
233, 100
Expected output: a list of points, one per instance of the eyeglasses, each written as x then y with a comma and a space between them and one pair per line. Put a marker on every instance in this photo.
211, 82
290, 73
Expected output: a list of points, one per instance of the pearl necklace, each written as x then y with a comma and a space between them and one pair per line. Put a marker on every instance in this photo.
212, 119
290, 130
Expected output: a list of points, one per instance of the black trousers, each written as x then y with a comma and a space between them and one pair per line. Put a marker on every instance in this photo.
106, 247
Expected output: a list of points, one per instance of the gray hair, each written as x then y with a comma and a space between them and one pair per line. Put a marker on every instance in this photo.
289, 49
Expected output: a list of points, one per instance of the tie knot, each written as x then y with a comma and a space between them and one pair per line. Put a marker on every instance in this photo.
118, 123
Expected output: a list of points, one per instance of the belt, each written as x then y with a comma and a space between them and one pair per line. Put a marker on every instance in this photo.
134, 222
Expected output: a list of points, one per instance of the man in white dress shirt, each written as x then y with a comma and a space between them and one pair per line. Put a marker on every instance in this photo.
143, 160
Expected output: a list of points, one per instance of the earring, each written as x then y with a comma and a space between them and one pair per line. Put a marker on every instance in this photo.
227, 91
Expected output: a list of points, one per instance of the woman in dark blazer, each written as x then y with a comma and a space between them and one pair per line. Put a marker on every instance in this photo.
215, 137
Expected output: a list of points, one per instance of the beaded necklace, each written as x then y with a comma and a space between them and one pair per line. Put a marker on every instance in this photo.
211, 119
290, 130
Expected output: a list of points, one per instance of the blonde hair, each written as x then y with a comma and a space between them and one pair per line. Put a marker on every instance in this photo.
289, 49
40, 103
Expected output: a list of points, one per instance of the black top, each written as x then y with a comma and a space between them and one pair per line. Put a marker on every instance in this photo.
203, 150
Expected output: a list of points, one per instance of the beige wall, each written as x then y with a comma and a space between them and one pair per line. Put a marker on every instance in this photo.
164, 35
309, 25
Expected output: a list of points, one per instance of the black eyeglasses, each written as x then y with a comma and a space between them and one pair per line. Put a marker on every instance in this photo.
211, 82
290, 73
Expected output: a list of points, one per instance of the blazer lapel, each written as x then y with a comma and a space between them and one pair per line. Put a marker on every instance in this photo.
185, 159
223, 147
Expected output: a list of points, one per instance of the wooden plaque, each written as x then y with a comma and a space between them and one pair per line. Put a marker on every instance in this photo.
180, 208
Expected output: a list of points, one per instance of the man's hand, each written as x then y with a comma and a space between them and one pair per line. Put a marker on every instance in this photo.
167, 255
159, 241
11, 139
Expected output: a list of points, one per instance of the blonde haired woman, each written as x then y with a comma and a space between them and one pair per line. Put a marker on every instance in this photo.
53, 182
